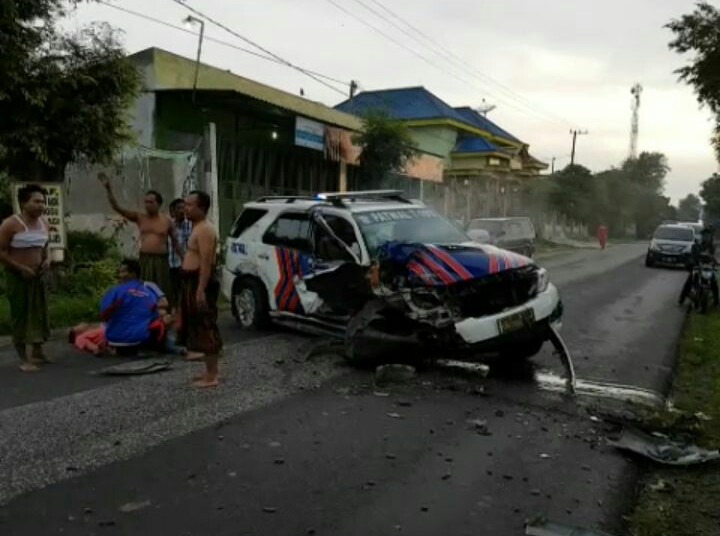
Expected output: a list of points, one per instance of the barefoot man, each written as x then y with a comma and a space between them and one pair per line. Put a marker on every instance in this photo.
155, 230
197, 322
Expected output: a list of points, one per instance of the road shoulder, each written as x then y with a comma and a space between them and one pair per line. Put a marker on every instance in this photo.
683, 501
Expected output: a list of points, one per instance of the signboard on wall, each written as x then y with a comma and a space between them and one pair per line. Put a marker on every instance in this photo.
310, 134
54, 211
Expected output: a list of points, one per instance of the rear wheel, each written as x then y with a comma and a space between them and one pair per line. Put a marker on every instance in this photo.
250, 304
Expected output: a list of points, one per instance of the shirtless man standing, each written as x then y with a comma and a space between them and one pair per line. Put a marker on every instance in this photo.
155, 229
200, 289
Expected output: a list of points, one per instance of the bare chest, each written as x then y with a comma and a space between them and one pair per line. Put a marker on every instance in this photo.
154, 226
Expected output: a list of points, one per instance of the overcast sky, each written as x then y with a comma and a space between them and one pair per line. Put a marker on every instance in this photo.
549, 66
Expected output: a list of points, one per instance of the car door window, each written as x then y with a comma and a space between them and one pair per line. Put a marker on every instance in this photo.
248, 218
326, 247
515, 231
290, 231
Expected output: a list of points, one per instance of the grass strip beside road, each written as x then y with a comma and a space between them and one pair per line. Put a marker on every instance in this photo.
684, 501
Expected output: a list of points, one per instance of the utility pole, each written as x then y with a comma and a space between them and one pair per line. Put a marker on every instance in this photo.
575, 134
552, 165
353, 88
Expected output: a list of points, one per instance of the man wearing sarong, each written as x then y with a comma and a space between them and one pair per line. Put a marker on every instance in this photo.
156, 232
24, 253
200, 289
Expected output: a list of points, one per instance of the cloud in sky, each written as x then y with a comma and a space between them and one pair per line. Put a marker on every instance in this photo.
559, 64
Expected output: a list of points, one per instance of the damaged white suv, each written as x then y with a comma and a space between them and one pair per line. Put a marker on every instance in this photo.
387, 275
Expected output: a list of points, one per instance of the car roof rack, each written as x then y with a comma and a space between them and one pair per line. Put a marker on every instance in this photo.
286, 198
337, 198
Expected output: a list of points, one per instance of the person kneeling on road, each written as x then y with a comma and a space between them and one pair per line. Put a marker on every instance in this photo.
135, 313
706, 247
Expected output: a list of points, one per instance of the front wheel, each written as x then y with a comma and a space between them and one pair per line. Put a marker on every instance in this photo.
250, 304
649, 262
521, 352
704, 301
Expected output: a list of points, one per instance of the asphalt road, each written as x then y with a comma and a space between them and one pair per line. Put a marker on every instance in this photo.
291, 445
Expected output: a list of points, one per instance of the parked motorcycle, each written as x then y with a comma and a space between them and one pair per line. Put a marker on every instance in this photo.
702, 282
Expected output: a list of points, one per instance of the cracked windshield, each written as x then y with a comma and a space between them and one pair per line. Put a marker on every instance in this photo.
359, 267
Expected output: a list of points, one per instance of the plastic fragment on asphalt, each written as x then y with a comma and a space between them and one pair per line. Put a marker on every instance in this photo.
464, 366
394, 415
542, 527
134, 506
662, 449
137, 367
479, 426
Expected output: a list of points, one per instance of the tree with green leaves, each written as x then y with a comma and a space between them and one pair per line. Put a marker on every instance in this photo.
698, 34
572, 192
689, 208
710, 193
647, 171
387, 147
63, 97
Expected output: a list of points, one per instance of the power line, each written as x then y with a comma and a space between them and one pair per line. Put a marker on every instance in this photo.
413, 52
457, 62
457, 59
420, 56
259, 47
213, 39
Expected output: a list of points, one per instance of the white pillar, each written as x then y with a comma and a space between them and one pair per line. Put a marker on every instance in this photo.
211, 178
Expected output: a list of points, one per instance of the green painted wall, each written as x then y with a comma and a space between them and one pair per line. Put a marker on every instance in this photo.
174, 113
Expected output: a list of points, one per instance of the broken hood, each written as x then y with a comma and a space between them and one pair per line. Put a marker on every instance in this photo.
443, 265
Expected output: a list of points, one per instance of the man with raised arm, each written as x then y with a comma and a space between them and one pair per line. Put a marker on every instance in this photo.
155, 231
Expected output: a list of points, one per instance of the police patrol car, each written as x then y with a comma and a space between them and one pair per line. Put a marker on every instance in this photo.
375, 266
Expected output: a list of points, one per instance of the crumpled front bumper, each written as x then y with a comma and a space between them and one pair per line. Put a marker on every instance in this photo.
546, 306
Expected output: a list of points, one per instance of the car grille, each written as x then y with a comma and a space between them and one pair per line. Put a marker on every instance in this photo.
495, 293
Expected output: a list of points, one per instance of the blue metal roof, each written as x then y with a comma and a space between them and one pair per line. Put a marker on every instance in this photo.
475, 144
479, 121
402, 103
417, 103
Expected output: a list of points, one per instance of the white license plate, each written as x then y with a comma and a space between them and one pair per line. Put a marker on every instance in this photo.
523, 319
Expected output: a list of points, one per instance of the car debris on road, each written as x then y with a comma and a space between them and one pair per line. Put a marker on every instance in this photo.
543, 527
662, 449
136, 368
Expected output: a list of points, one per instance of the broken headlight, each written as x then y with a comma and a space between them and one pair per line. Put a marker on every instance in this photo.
543, 280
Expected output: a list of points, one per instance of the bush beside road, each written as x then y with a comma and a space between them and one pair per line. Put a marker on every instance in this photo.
683, 501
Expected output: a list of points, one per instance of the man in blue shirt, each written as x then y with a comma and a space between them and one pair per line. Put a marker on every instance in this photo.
130, 309
182, 228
